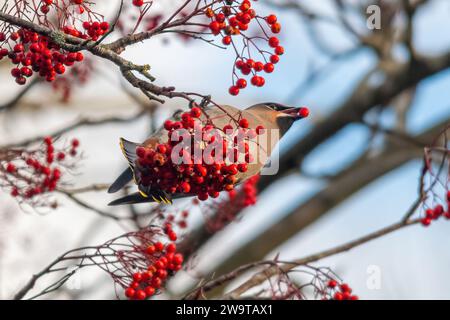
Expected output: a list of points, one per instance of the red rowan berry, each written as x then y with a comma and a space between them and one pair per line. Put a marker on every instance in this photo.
438, 211
27, 72
279, 50
15, 72
159, 246
161, 148
242, 167
196, 112
276, 27
239, 64
18, 47
250, 63
226, 40
303, 112
14, 36
429, 213
178, 258
11, 168
104, 25
425, 222
21, 80
243, 123
172, 236
338, 296
260, 130
241, 83
140, 295
227, 127
130, 292
149, 291
185, 187
346, 295
203, 196
271, 19
45, 9
75, 143
345, 288
171, 247
259, 66
332, 283
137, 277
274, 58
214, 26
269, 67
274, 42
138, 3
234, 90
14, 192
150, 250
156, 282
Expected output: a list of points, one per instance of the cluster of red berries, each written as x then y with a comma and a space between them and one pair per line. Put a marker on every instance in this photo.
35, 173
182, 165
249, 192
437, 212
232, 19
76, 76
226, 211
179, 221
93, 29
46, 5
164, 262
32, 53
340, 291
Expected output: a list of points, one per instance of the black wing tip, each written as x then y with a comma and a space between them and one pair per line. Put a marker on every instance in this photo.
112, 189
114, 203
139, 198
129, 199
125, 177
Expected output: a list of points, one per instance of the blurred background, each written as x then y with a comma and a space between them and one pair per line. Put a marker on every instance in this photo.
342, 173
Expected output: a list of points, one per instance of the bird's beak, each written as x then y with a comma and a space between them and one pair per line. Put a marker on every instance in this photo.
290, 111
295, 113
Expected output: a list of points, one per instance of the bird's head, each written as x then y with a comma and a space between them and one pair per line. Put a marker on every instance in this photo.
284, 116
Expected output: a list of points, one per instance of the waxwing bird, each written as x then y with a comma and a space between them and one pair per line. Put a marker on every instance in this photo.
271, 116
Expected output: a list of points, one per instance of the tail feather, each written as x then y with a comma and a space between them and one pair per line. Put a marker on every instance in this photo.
130, 199
138, 197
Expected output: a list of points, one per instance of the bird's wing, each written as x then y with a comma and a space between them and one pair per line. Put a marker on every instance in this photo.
221, 116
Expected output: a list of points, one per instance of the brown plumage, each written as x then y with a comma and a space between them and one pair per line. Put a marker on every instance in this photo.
269, 115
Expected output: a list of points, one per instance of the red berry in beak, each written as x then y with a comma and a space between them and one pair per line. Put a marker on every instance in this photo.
303, 112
